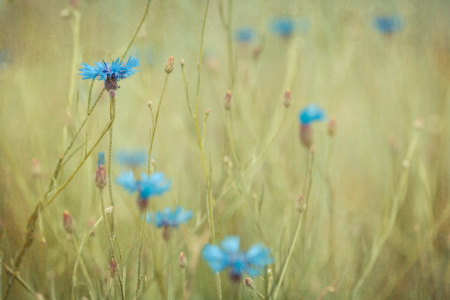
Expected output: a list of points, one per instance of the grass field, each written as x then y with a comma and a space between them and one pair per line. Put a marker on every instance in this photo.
377, 217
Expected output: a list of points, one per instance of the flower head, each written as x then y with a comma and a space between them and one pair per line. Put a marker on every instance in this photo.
311, 113
228, 255
110, 72
169, 217
133, 158
147, 186
245, 35
387, 24
286, 26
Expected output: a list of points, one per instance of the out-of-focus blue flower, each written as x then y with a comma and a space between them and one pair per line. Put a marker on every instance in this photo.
228, 255
311, 113
245, 35
286, 26
387, 24
147, 186
132, 158
103, 70
169, 217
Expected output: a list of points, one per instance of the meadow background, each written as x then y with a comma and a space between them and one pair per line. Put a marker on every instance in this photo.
379, 87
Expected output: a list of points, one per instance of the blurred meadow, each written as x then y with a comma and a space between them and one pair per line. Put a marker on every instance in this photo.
375, 178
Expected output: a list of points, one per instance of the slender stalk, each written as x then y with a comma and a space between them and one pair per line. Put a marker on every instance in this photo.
111, 198
147, 6
140, 254
156, 122
397, 201
230, 46
111, 243
86, 235
299, 225
89, 98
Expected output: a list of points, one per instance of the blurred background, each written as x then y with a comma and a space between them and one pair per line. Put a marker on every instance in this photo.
374, 66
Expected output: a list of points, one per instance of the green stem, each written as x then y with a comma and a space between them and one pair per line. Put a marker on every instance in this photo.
397, 201
156, 122
140, 254
111, 244
112, 115
147, 6
299, 225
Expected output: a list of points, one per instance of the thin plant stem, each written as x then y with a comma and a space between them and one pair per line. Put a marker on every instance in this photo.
397, 201
111, 116
89, 98
140, 254
230, 138
299, 225
86, 235
156, 123
84, 270
147, 6
111, 243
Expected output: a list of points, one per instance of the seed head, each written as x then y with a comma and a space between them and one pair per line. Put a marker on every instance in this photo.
67, 221
300, 204
227, 100
182, 261
332, 125
168, 66
109, 210
287, 98
248, 282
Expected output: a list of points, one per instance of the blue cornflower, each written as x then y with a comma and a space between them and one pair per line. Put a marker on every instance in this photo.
283, 26
132, 158
311, 113
245, 35
109, 72
250, 262
169, 218
147, 186
387, 24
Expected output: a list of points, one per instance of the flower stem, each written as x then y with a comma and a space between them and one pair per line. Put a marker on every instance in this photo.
299, 225
111, 243
155, 123
140, 253
147, 6
111, 116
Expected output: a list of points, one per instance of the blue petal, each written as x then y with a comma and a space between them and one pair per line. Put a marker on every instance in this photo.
231, 244
258, 255
182, 216
126, 180
245, 35
387, 24
215, 257
311, 113
101, 158
132, 158
155, 185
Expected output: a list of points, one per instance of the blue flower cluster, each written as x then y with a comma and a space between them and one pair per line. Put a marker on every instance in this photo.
147, 186
169, 217
239, 262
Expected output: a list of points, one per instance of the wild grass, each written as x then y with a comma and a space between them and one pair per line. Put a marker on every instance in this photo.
377, 214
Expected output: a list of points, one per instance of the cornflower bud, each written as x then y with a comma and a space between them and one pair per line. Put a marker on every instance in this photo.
111, 83
168, 66
306, 135
248, 282
67, 221
149, 103
287, 98
182, 261
112, 268
207, 112
182, 62
300, 204
100, 174
227, 100
332, 125
35, 167
109, 210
